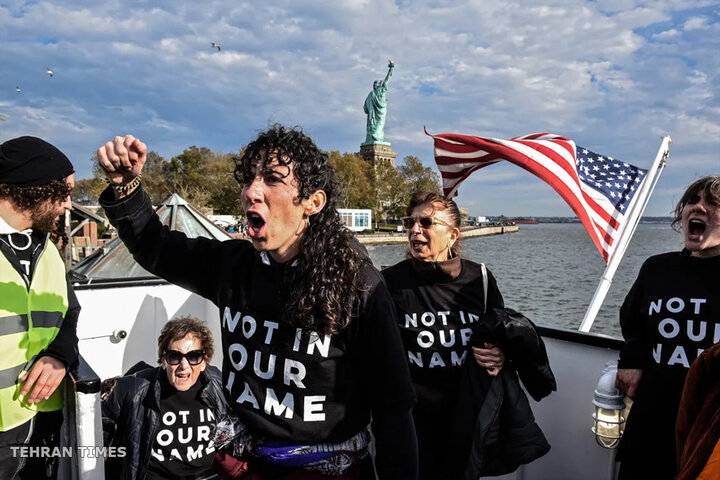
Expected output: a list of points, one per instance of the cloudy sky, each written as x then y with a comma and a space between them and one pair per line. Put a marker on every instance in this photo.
613, 75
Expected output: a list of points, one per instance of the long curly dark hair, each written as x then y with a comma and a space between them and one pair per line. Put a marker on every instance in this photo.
323, 290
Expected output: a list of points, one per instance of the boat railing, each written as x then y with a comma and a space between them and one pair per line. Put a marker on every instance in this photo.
81, 436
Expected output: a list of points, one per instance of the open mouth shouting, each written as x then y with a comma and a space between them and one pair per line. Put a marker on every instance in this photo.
256, 225
183, 377
695, 229
417, 245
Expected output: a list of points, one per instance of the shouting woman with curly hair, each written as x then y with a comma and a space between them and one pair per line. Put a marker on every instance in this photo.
312, 353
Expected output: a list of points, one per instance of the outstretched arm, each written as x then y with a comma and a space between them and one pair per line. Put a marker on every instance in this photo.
191, 263
389, 74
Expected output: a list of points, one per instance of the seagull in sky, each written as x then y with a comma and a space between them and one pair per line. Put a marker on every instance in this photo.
215, 45
17, 89
49, 72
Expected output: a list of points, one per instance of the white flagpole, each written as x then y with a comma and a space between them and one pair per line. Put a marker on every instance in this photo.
633, 219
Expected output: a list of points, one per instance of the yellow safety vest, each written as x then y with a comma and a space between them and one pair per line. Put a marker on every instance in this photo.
29, 320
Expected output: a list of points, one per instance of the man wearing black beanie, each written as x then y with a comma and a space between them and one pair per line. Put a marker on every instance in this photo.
38, 308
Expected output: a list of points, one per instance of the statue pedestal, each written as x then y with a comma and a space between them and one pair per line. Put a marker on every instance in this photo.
378, 152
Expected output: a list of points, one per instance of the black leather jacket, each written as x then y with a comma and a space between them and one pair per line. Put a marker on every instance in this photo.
130, 416
495, 430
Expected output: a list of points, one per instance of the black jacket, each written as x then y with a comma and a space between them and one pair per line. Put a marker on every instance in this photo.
504, 434
130, 415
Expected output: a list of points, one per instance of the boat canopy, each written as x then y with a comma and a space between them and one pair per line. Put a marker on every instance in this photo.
114, 263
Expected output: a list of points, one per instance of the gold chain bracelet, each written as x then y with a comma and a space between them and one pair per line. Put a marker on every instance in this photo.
123, 189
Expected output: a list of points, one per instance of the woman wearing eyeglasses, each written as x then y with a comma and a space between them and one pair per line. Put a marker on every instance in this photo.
163, 418
439, 298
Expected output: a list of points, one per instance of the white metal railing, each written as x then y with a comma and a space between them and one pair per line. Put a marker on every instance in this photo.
82, 427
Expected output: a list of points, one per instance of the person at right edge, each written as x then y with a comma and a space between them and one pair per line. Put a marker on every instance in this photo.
697, 430
670, 315
472, 417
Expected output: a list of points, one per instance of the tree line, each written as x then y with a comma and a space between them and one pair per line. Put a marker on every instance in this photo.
204, 178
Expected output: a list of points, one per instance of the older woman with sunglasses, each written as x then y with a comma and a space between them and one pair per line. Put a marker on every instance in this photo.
439, 297
164, 417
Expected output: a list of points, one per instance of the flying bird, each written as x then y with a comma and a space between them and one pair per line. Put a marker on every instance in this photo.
2, 117
17, 89
49, 72
215, 45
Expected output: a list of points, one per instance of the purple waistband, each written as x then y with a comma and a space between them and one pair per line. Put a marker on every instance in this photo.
290, 455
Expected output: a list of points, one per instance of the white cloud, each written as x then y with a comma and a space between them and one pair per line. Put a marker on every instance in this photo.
612, 74
171, 47
641, 16
696, 129
667, 35
696, 23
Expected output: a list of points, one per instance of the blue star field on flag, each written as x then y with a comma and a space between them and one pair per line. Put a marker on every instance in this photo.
617, 181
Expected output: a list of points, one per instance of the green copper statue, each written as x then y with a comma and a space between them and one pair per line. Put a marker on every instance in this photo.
375, 107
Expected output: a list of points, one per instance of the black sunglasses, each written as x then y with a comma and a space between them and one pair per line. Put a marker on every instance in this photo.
173, 357
424, 221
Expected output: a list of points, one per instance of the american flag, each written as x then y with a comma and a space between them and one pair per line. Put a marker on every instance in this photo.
599, 189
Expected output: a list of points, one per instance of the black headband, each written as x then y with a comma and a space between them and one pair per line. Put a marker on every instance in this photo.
30, 161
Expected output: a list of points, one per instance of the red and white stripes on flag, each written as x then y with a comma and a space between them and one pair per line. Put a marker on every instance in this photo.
599, 189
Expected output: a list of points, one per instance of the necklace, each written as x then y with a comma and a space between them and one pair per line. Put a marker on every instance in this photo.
20, 249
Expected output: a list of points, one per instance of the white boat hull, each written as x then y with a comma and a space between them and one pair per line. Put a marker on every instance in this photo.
565, 416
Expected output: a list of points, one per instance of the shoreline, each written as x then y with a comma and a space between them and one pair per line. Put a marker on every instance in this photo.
466, 233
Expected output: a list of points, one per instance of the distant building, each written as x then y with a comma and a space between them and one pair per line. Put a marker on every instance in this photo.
520, 220
476, 220
84, 223
356, 219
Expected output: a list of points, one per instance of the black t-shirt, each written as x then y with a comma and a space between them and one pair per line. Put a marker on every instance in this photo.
302, 387
437, 316
670, 315
183, 446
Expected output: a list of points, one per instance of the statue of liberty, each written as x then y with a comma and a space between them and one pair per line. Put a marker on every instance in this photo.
375, 107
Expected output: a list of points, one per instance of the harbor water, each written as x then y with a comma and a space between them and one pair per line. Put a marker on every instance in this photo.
550, 271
